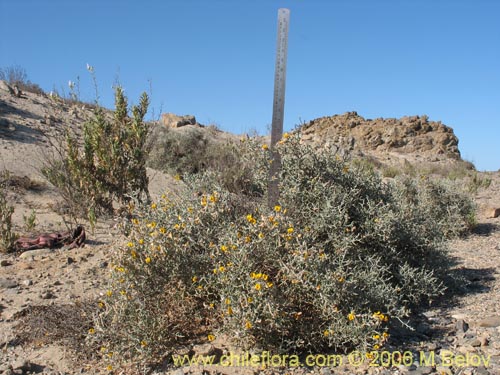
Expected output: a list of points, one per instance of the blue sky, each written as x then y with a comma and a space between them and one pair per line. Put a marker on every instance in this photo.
215, 59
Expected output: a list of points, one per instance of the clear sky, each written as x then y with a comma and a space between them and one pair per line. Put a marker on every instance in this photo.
215, 59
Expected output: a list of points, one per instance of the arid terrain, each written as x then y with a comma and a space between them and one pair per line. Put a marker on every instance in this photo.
42, 290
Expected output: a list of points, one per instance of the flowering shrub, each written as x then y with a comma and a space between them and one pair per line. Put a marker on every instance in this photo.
329, 267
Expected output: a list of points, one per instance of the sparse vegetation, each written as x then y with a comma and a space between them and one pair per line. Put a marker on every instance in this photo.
340, 256
16, 76
30, 221
7, 235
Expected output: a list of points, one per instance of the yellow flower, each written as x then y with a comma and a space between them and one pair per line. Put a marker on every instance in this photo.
265, 146
204, 201
109, 367
101, 304
91, 331
144, 343
326, 333
141, 241
248, 325
222, 269
135, 221
148, 260
341, 279
213, 198
109, 293
269, 285
251, 219
133, 254
177, 177
385, 335
153, 206
248, 239
351, 316
376, 337
194, 278
376, 347
258, 286
249, 299
163, 230
229, 310
277, 208
122, 292
130, 244
211, 337
223, 248
261, 235
289, 230
103, 349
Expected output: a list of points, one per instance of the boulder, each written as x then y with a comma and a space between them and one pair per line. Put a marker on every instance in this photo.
171, 120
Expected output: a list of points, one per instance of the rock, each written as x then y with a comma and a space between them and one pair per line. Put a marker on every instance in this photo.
474, 343
493, 213
444, 370
8, 284
462, 326
493, 321
47, 295
422, 371
103, 264
70, 260
325, 371
5, 263
484, 341
171, 120
482, 371
28, 282
33, 253
21, 364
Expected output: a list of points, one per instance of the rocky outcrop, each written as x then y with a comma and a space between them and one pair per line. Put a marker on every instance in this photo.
409, 135
171, 120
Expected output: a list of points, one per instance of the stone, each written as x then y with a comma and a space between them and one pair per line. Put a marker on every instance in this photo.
70, 260
21, 364
33, 253
482, 371
28, 282
5, 263
462, 326
493, 213
47, 295
444, 370
474, 343
171, 120
8, 284
493, 321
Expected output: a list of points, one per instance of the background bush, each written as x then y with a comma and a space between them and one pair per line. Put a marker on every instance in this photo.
341, 256
194, 150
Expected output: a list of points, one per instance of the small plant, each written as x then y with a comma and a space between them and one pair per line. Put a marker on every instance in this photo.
110, 164
7, 236
30, 221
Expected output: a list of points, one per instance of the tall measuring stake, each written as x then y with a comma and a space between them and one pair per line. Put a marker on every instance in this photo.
278, 104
